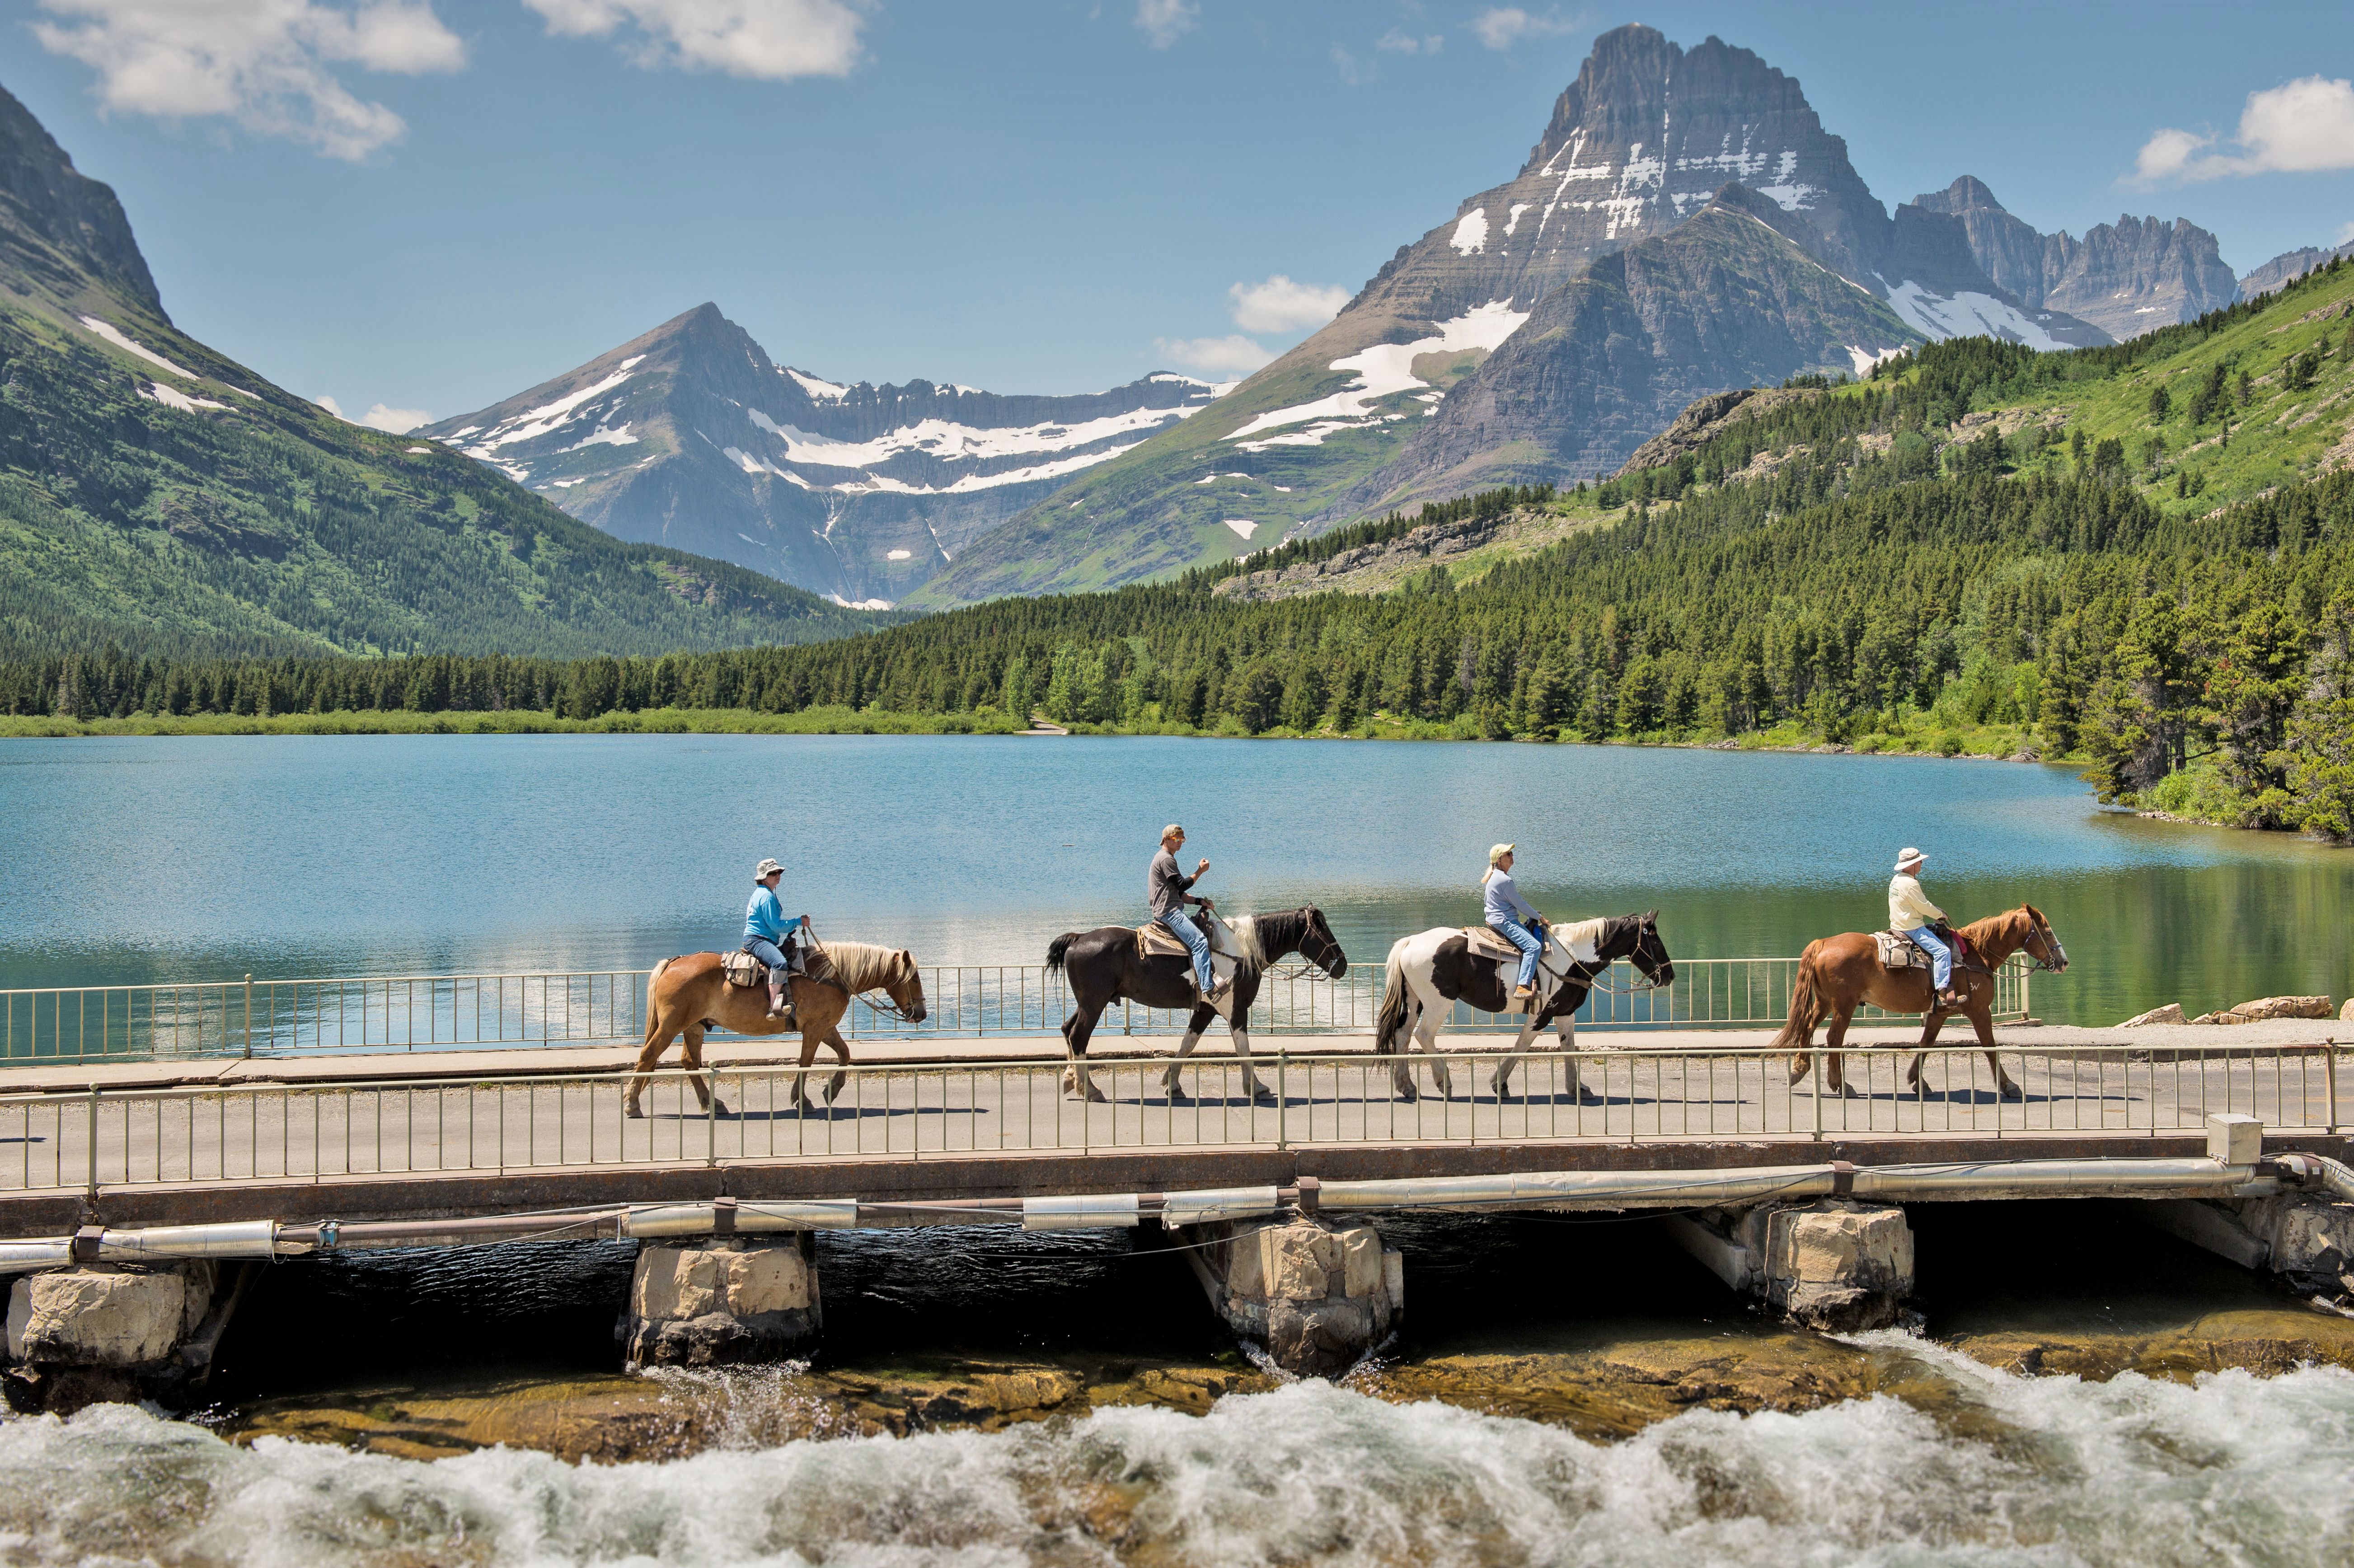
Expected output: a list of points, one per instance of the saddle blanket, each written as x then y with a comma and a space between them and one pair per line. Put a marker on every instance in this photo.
1581, 938
1898, 952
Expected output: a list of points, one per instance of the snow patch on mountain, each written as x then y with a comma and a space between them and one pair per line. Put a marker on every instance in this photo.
171, 398
1471, 234
1243, 525
1967, 313
951, 442
819, 391
534, 423
1383, 370
115, 336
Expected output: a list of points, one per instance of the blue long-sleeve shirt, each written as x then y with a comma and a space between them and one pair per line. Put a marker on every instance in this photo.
766, 919
1504, 899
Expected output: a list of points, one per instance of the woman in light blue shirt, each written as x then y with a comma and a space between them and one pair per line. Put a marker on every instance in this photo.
1510, 915
767, 928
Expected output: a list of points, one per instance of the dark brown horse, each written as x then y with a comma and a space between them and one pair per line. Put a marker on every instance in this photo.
1104, 966
1838, 974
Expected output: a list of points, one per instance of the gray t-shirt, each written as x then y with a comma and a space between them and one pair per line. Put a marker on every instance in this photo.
1165, 885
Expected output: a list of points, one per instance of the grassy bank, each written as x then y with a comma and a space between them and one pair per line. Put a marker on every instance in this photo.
1919, 736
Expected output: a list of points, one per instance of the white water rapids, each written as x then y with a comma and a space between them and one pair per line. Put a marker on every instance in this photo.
2231, 1469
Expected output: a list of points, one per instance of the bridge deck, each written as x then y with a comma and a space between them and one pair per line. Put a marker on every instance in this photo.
993, 1126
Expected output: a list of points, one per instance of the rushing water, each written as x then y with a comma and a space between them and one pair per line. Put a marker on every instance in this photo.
1566, 1390
204, 859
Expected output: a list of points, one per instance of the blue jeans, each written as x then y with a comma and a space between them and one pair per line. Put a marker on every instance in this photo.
1941, 957
769, 953
1181, 924
1528, 943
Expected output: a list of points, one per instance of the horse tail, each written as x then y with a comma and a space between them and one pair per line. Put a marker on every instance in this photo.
1390, 1023
1057, 949
1806, 1005
654, 1005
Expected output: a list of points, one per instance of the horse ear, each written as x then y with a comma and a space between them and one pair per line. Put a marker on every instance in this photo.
1650, 918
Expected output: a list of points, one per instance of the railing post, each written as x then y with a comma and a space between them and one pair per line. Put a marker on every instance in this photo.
1822, 1066
710, 1122
93, 1140
2329, 1070
1282, 1098
248, 1018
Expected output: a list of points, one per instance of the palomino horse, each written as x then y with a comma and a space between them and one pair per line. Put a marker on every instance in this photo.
1431, 969
688, 995
1838, 974
1104, 967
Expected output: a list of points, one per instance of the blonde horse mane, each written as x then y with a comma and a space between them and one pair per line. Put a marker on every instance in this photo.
1983, 933
863, 966
1246, 930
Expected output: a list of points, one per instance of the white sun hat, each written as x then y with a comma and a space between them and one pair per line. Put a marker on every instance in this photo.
1498, 851
764, 868
1910, 860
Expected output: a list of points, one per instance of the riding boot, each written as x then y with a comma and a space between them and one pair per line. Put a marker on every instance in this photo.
777, 1006
1951, 998
1524, 999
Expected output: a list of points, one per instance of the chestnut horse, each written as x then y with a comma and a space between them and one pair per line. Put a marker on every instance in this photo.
688, 995
1838, 974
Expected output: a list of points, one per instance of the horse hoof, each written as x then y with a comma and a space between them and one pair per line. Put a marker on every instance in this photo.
2013, 1092
632, 1112
833, 1088
1261, 1095
1178, 1097
1408, 1092
719, 1107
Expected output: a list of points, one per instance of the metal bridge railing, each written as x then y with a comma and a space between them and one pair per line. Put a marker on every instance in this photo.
431, 1013
113, 1138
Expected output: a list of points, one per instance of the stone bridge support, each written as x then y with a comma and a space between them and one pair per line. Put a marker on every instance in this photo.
99, 1332
1316, 1295
1836, 1265
2306, 1238
727, 1300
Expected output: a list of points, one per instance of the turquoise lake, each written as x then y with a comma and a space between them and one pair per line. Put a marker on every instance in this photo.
132, 859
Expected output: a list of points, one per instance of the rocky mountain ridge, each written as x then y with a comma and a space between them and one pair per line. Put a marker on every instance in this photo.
690, 436
2127, 278
2287, 267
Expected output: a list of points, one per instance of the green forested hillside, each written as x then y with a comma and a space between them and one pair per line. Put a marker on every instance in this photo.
1980, 540
156, 495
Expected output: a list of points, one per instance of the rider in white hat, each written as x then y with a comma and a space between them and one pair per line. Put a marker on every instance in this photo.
767, 930
1910, 915
1509, 917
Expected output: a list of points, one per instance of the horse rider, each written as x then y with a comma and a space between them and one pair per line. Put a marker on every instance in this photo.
1166, 895
1511, 917
1912, 916
769, 934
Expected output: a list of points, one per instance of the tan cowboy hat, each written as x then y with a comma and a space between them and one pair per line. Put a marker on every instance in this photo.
762, 870
1498, 851
1908, 860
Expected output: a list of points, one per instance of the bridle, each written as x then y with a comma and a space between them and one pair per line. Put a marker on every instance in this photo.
887, 1008
1313, 967
1594, 981
2042, 931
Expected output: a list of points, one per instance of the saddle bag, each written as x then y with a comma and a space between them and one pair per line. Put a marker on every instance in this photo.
1898, 952
743, 970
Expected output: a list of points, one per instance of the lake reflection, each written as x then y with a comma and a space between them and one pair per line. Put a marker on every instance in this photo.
198, 858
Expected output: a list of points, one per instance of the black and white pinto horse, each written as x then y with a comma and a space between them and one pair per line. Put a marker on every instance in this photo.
1430, 971
1104, 967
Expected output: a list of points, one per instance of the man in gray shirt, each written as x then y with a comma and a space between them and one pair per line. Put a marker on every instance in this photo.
1166, 897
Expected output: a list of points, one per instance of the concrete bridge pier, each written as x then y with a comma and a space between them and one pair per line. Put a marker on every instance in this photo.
101, 1332
1836, 1264
1316, 1295
725, 1300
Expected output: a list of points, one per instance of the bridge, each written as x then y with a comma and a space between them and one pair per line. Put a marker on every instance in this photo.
247, 1121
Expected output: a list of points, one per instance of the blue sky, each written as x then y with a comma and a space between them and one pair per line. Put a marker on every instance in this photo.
430, 204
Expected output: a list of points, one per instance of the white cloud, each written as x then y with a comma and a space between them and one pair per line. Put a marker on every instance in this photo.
1235, 353
1163, 22
1353, 72
2300, 127
394, 421
1398, 41
1501, 26
2345, 234
263, 63
332, 407
773, 39
1278, 305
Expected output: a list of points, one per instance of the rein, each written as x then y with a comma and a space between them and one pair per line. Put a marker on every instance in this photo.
1312, 968
887, 1008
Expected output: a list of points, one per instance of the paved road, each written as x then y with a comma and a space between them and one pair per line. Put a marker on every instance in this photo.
234, 1128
